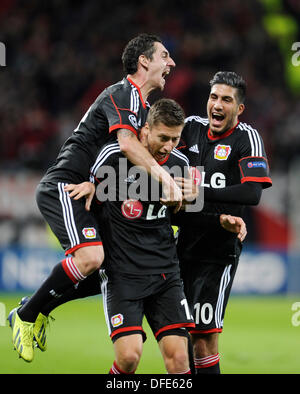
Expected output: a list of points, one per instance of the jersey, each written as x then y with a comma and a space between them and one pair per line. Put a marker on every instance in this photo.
137, 237
235, 157
119, 106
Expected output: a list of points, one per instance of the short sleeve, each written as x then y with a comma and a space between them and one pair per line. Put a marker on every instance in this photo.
253, 162
119, 115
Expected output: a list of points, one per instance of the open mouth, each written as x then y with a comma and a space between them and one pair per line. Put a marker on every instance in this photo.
160, 156
217, 116
165, 73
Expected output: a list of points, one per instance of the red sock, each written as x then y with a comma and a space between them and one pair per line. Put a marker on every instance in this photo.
207, 365
115, 370
72, 271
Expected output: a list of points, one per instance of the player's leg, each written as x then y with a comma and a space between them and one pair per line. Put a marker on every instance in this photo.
208, 292
174, 351
123, 309
168, 315
128, 350
76, 229
86, 288
206, 353
63, 276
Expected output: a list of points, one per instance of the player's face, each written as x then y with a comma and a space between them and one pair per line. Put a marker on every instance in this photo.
160, 139
223, 108
160, 66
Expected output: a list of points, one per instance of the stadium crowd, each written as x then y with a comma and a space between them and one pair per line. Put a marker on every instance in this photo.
61, 54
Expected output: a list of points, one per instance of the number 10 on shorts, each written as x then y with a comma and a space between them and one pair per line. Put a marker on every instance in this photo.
203, 313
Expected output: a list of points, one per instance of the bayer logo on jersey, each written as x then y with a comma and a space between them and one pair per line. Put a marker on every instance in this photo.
132, 209
222, 152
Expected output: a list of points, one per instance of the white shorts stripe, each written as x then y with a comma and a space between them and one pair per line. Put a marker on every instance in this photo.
68, 215
225, 279
104, 280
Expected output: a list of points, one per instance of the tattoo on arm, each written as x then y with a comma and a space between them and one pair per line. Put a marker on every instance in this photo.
126, 133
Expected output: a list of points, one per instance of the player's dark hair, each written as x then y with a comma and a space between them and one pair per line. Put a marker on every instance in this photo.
166, 111
143, 44
230, 78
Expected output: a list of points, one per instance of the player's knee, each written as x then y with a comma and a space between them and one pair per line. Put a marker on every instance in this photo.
129, 359
205, 344
178, 361
175, 354
89, 259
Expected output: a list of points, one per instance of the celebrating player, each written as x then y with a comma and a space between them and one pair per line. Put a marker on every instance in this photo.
140, 275
236, 172
118, 112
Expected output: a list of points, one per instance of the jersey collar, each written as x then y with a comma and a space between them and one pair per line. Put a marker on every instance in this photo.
164, 160
139, 91
224, 135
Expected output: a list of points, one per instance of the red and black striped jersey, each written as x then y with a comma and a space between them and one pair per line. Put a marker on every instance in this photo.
233, 158
120, 106
135, 227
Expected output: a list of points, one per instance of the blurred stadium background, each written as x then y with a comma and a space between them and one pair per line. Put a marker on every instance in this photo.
59, 55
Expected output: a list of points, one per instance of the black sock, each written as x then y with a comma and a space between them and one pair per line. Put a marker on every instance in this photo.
56, 284
90, 286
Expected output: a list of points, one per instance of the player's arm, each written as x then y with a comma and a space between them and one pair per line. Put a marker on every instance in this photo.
189, 189
247, 193
140, 156
254, 174
234, 224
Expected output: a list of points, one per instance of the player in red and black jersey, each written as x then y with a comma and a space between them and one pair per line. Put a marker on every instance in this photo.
119, 112
140, 274
236, 171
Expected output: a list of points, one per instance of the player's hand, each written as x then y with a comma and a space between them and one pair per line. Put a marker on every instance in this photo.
234, 224
188, 187
172, 194
84, 189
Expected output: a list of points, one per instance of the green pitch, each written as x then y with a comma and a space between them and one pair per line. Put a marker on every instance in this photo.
258, 337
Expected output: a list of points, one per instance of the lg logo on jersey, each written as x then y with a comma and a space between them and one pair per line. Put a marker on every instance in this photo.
217, 180
133, 209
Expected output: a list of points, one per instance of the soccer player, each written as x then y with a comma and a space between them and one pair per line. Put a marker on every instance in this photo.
140, 274
236, 171
118, 112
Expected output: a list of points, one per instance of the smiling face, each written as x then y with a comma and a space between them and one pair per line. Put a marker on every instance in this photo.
160, 139
223, 109
159, 66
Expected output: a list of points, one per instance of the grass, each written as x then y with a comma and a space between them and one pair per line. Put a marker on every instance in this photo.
258, 338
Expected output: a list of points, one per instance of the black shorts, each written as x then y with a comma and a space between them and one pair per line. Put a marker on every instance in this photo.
207, 287
68, 219
160, 297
